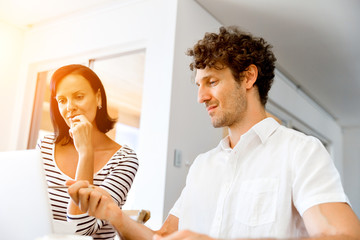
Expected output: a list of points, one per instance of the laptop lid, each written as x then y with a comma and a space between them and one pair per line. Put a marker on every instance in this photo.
24, 204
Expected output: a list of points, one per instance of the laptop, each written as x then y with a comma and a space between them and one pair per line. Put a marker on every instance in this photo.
24, 205
25, 212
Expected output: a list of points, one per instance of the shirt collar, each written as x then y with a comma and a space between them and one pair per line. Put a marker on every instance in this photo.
262, 129
265, 128
225, 144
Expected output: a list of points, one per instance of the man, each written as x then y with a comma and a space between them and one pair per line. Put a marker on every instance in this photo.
262, 180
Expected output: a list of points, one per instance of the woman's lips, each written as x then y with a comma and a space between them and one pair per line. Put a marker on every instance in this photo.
71, 117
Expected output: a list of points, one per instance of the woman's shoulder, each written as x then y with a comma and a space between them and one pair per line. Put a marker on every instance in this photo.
125, 153
46, 140
125, 149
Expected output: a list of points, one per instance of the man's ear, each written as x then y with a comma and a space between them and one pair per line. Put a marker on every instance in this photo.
251, 75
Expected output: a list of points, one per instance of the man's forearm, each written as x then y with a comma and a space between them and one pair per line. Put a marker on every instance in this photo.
130, 229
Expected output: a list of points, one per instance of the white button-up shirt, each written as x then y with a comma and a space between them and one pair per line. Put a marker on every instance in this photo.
261, 188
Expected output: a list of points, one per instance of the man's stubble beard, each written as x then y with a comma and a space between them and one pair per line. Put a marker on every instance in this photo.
229, 118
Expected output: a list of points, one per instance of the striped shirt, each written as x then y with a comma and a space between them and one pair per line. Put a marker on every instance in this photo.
116, 177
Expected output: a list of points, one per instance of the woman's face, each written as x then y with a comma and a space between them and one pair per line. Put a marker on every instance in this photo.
75, 96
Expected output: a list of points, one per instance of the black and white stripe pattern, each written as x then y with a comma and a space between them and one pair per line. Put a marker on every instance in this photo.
116, 177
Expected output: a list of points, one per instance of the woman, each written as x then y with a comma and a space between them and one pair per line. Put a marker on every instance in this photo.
80, 149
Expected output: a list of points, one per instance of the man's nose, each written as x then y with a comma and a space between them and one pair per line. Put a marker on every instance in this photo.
203, 95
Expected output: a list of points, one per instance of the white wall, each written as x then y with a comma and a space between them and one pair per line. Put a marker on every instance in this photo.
11, 48
352, 166
190, 129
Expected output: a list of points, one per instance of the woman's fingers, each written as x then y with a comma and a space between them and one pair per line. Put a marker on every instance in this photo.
94, 201
69, 182
91, 199
87, 197
106, 208
84, 198
74, 188
70, 133
79, 120
80, 131
102, 191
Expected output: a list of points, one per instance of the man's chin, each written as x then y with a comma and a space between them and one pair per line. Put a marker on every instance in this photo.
217, 124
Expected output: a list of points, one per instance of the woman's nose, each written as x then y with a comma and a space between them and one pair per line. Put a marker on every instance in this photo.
70, 105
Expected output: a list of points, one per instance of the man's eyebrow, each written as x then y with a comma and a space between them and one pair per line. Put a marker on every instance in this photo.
204, 78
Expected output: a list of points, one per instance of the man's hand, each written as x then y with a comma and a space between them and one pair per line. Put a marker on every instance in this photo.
185, 234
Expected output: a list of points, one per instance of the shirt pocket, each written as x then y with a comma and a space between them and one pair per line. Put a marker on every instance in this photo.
257, 201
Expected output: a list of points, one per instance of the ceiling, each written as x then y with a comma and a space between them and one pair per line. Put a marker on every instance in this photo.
24, 13
315, 42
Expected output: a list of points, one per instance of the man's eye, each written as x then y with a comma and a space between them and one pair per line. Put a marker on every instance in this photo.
79, 97
213, 83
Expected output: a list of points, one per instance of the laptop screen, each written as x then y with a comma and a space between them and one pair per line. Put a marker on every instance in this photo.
24, 205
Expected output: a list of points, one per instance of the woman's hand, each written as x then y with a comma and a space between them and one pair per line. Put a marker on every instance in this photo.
81, 133
96, 201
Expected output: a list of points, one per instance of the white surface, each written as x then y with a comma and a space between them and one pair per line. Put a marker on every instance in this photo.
24, 206
190, 128
17, 11
24, 203
61, 227
11, 48
64, 237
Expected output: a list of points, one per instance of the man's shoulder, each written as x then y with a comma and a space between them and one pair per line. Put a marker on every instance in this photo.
293, 135
206, 155
212, 151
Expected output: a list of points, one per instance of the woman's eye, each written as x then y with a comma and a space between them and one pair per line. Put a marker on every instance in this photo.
61, 101
79, 97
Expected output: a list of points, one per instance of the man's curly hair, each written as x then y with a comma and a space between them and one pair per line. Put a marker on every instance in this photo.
237, 50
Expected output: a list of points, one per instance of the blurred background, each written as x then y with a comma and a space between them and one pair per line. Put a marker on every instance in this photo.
137, 47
